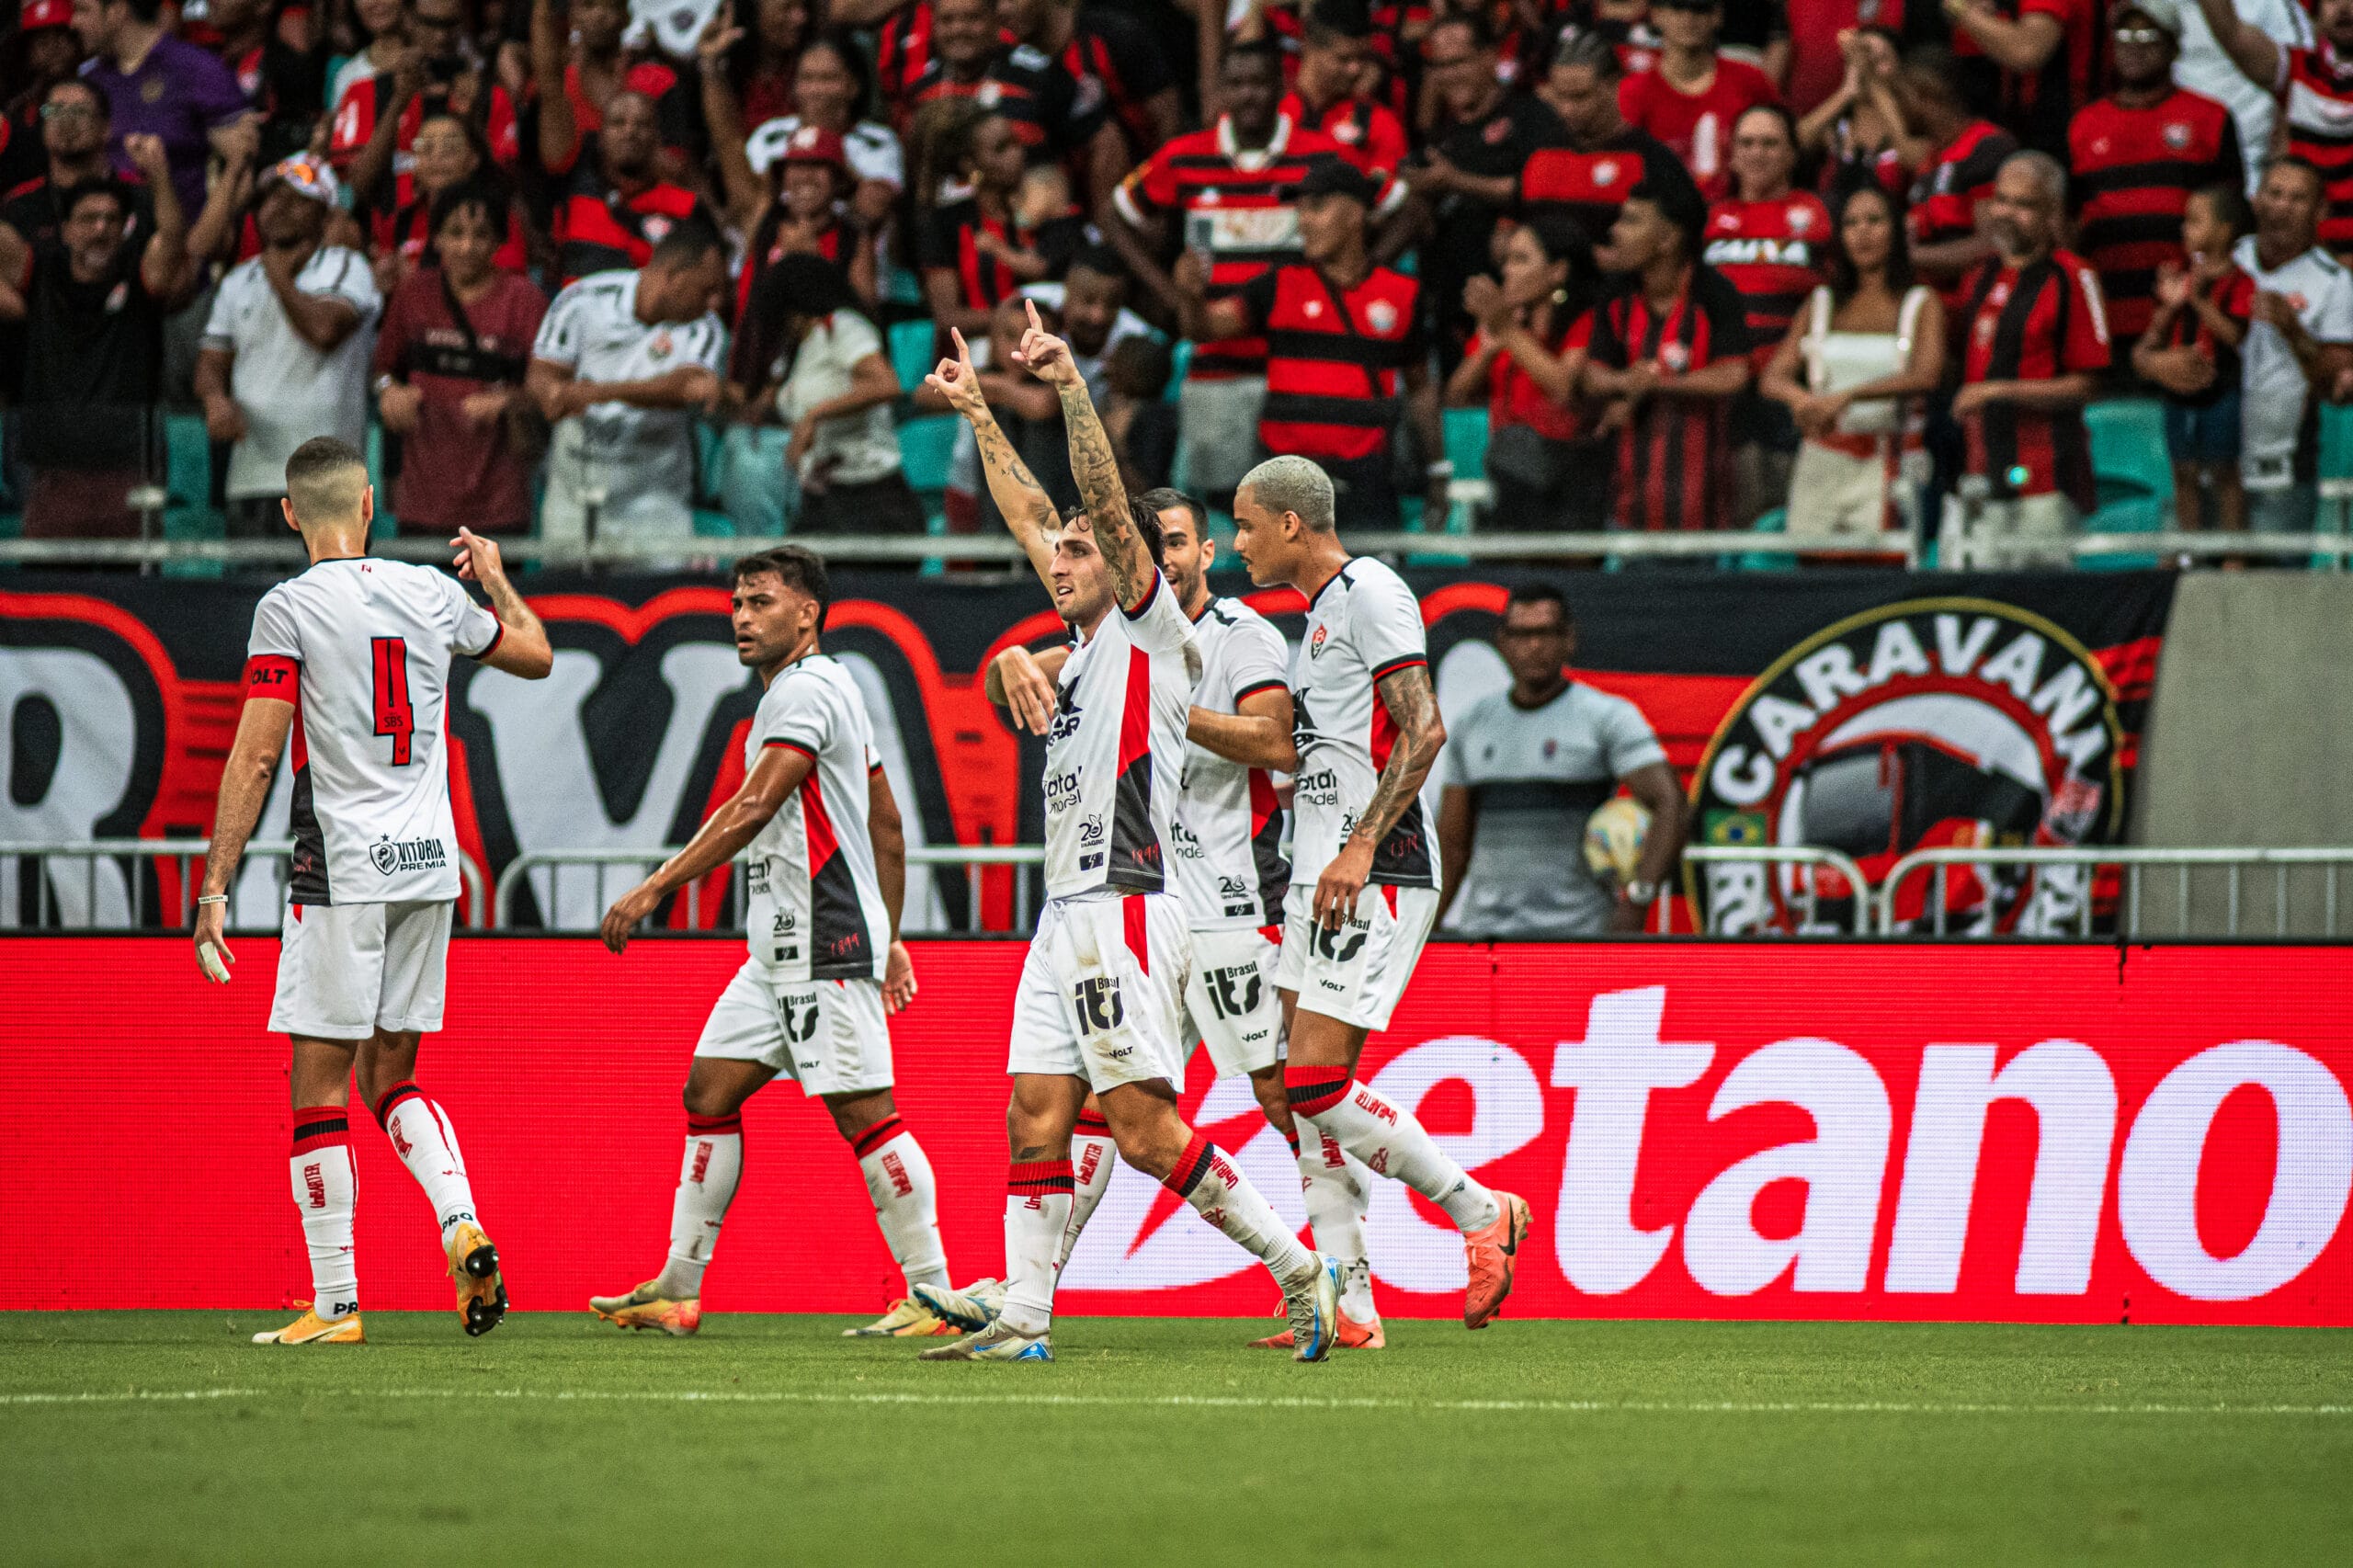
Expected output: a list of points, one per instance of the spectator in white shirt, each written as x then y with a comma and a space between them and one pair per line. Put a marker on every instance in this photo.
2299, 347
2203, 66
288, 345
624, 362
836, 398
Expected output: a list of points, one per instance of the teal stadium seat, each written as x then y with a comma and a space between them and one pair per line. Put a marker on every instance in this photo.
910, 352
925, 446
2133, 473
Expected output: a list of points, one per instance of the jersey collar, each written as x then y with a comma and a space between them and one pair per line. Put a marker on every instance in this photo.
1254, 158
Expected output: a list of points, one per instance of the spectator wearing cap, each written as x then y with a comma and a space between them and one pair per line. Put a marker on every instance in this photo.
1331, 93
1053, 116
2133, 158
1691, 99
91, 299
1346, 352
286, 348
1109, 52
1961, 155
1670, 355
1586, 176
2034, 341
159, 85
373, 133
616, 205
450, 365
810, 214
623, 364
834, 394
45, 52
1466, 181
2027, 62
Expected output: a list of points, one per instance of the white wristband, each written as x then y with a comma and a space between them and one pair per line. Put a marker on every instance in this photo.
212, 898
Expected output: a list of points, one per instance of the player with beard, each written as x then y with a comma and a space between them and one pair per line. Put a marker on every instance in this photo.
1102, 987
826, 883
1367, 729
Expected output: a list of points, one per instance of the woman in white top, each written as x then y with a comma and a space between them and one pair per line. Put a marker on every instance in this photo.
833, 389
1862, 356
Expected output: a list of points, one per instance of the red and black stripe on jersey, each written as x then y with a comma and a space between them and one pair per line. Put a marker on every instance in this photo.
599, 229
2034, 324
902, 49
1029, 92
1403, 857
1267, 842
1371, 135
2232, 295
1588, 187
410, 231
839, 947
2132, 170
1772, 253
2318, 108
1135, 862
1675, 466
1944, 199
1114, 51
1332, 358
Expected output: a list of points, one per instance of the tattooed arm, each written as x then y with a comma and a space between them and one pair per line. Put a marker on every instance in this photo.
1092, 464
1420, 732
1028, 511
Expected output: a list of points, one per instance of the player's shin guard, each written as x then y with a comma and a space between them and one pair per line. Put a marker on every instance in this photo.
323, 1196
1208, 1180
1328, 1103
1091, 1157
1037, 1213
1337, 1201
906, 1199
426, 1144
707, 1180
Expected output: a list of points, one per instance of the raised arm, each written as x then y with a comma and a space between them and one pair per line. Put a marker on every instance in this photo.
1093, 463
723, 836
1028, 511
522, 648
2250, 47
1412, 707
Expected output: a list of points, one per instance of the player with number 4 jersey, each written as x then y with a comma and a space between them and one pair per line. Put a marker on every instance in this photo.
825, 878
1100, 991
349, 660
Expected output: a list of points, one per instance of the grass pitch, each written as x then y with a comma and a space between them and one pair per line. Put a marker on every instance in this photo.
161, 1437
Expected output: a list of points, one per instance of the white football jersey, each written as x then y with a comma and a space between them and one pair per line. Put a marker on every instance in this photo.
362, 647
814, 907
592, 328
1362, 625
1228, 841
1116, 750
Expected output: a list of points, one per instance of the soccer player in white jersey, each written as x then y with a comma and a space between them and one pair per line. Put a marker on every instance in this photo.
1368, 730
1102, 986
826, 879
351, 658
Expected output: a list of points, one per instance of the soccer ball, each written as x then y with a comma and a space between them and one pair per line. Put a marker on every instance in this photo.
1613, 837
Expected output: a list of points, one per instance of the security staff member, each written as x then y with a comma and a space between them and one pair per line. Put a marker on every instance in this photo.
1342, 336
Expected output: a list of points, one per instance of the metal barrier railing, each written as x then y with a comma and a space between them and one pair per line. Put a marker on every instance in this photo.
111, 882
1802, 892
973, 857
2065, 883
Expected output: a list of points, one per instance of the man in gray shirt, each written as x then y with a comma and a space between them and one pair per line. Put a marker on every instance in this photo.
1523, 770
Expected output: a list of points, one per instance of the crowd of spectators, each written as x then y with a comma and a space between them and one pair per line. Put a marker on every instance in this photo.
1859, 262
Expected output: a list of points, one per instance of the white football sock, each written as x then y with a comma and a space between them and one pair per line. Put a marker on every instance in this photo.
1337, 1201
325, 1195
1037, 1213
906, 1199
428, 1146
1093, 1156
1325, 1101
707, 1178
1208, 1180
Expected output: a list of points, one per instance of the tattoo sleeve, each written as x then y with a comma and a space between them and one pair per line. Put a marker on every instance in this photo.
1096, 469
1028, 510
1419, 734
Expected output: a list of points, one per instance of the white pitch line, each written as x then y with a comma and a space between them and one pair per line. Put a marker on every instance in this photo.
1182, 1402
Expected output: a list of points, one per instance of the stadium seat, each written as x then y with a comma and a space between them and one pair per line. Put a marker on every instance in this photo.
751, 482
924, 448
910, 352
2128, 462
1180, 360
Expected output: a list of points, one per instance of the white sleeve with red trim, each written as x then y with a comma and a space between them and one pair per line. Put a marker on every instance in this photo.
1256, 657
274, 651
794, 713
1384, 622
1158, 625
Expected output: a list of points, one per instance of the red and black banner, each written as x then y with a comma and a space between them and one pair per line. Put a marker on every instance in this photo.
1871, 712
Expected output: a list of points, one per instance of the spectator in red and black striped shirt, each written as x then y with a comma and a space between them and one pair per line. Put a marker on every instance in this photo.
2028, 63
2134, 157
1056, 118
2192, 351
1670, 353
2315, 86
615, 206
2035, 340
1113, 53
1602, 158
968, 251
1965, 153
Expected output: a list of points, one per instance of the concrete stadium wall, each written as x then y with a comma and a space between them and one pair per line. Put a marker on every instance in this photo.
2249, 741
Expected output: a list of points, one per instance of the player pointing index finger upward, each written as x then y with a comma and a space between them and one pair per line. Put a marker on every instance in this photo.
1101, 987
1368, 730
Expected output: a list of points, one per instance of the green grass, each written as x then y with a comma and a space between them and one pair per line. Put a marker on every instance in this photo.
772, 1440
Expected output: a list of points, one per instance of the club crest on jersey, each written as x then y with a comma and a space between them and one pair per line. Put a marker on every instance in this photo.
661, 346
655, 227
1800, 218
1383, 316
1315, 643
989, 94
1674, 357
1606, 172
2178, 136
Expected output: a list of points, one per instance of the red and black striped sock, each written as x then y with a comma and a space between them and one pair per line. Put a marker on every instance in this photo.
1314, 1089
1192, 1166
874, 1137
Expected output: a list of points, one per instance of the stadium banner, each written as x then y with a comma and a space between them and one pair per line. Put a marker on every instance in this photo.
1871, 712
2001, 1132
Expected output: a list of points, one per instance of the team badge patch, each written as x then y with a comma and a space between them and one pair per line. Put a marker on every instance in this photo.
1383, 316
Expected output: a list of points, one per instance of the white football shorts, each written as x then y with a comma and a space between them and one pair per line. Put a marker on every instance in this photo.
1101, 989
829, 1036
1230, 1001
346, 970
1357, 972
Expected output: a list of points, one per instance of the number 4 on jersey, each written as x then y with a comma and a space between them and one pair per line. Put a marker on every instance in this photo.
394, 717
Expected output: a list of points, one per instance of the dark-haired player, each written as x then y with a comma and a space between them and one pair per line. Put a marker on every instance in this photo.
827, 872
